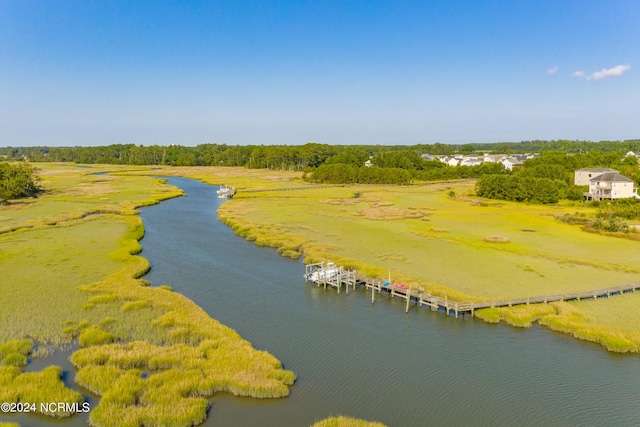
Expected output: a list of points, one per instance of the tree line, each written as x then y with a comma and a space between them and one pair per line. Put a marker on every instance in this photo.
544, 179
294, 157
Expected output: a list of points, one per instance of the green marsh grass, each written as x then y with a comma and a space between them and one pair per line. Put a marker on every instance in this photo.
15, 359
560, 257
73, 273
43, 270
135, 305
342, 421
179, 377
93, 335
612, 322
14, 353
73, 193
490, 251
522, 316
36, 387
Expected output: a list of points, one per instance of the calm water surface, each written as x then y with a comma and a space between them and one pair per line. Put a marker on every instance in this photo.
374, 361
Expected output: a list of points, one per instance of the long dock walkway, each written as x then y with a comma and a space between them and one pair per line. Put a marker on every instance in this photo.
337, 277
315, 187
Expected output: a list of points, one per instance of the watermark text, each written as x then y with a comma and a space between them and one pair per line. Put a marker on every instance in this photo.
45, 407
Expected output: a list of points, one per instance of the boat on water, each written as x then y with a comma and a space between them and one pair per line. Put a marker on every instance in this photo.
327, 273
226, 192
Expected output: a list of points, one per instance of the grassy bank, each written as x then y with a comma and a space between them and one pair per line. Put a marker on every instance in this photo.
342, 421
444, 244
73, 274
457, 247
37, 387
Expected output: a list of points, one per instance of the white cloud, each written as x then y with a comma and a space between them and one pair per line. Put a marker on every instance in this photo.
609, 72
553, 70
578, 74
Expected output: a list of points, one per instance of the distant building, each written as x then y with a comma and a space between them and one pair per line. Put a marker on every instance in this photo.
584, 175
632, 154
511, 162
471, 161
611, 186
452, 161
494, 158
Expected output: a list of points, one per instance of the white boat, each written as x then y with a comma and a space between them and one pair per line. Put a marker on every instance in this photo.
225, 192
327, 273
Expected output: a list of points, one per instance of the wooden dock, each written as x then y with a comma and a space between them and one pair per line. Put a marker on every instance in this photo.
337, 277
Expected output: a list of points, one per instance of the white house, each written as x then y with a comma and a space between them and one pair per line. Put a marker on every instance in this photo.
495, 158
471, 161
452, 161
511, 162
584, 175
611, 186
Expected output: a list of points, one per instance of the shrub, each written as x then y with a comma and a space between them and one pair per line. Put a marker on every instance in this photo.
577, 218
517, 188
614, 224
375, 175
336, 174
19, 180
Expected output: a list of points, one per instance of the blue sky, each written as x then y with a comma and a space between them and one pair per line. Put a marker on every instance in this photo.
336, 72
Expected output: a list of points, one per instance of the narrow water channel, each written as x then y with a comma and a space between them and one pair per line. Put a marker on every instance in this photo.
375, 361
370, 361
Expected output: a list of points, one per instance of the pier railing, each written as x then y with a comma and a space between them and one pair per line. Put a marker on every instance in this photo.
322, 274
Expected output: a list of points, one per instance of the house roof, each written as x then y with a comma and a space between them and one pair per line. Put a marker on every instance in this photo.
512, 160
602, 170
611, 177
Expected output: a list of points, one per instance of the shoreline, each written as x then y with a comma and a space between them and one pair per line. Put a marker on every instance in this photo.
183, 337
556, 316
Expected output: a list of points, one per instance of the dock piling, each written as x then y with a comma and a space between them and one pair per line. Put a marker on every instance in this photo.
322, 274
373, 294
